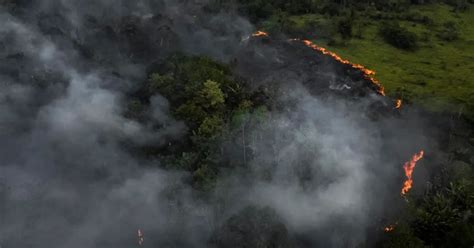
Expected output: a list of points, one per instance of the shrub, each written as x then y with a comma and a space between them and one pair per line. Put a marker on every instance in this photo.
459, 5
211, 126
398, 36
449, 32
344, 27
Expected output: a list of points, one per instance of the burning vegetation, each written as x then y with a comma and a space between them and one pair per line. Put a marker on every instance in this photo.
260, 34
369, 74
409, 167
389, 228
398, 103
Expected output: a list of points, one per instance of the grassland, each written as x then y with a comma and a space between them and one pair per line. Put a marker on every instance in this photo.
438, 75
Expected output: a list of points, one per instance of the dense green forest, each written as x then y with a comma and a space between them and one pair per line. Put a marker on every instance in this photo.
215, 105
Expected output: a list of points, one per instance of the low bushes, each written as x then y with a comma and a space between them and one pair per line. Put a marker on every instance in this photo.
399, 37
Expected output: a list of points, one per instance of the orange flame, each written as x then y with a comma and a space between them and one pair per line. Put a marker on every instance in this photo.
368, 74
259, 34
398, 103
409, 167
141, 237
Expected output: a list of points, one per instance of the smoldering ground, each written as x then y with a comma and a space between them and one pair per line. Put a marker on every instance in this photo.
325, 167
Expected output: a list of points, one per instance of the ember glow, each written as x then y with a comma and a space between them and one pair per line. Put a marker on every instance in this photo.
409, 167
398, 103
369, 74
260, 34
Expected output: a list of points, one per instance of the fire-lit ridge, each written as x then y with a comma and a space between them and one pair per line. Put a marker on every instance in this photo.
369, 74
409, 167
398, 103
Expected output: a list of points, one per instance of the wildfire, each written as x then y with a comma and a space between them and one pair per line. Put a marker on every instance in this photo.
256, 34
398, 103
141, 237
369, 74
409, 167
259, 34
389, 228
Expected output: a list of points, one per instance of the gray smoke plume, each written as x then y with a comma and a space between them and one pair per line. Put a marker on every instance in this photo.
322, 165
327, 169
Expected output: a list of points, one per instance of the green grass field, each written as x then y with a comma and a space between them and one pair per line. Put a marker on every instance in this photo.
439, 75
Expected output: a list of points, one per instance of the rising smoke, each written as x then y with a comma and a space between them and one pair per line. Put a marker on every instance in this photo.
322, 164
